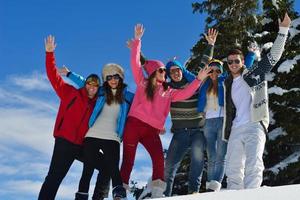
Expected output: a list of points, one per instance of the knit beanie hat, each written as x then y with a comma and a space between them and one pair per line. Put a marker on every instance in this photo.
93, 79
112, 69
152, 65
216, 63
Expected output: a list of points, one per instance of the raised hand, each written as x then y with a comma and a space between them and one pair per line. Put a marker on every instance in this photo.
138, 31
204, 73
63, 71
211, 36
129, 43
253, 47
50, 43
286, 21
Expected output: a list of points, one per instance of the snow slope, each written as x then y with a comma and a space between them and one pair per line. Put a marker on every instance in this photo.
289, 192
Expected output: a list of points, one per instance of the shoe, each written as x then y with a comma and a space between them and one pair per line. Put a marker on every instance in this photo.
213, 186
119, 193
81, 196
158, 188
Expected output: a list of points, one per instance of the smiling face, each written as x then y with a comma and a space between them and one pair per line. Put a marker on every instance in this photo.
113, 80
215, 72
235, 64
91, 89
175, 73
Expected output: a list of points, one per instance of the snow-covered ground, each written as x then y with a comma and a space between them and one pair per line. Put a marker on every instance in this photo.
289, 192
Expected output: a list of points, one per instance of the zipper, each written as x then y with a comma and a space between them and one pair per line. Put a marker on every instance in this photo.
71, 103
60, 123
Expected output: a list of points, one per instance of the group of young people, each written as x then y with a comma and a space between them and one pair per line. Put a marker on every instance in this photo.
222, 113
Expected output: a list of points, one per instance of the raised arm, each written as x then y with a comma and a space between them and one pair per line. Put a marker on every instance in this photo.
251, 56
54, 77
211, 38
135, 54
75, 78
182, 94
142, 56
269, 61
278, 46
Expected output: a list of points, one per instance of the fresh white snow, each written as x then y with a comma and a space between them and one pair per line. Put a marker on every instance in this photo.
267, 45
290, 192
288, 65
293, 28
257, 35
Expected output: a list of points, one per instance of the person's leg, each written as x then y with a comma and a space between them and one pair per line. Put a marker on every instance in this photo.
210, 134
63, 156
90, 155
110, 167
177, 149
151, 141
130, 142
254, 148
197, 159
235, 160
220, 155
101, 188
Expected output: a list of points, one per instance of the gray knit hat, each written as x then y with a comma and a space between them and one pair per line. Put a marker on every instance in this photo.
112, 69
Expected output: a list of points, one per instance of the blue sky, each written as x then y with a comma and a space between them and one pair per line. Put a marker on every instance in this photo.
89, 34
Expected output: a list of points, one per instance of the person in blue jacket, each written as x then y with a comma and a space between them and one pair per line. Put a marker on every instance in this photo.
102, 141
211, 102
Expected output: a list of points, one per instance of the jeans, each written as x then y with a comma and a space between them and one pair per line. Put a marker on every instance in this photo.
216, 149
183, 140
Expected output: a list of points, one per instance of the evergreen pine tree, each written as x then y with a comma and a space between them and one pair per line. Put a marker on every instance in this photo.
235, 20
282, 147
239, 22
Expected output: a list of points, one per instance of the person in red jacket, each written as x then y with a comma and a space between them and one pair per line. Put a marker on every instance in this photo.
76, 106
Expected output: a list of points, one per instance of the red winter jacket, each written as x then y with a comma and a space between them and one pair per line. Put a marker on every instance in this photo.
75, 106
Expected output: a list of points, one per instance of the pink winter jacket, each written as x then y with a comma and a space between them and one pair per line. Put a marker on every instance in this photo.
154, 112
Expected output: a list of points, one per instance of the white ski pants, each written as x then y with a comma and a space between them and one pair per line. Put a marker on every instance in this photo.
244, 163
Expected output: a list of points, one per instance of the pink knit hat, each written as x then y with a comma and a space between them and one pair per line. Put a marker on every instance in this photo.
152, 65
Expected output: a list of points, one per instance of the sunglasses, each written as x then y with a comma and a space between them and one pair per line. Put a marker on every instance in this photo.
115, 77
161, 70
236, 61
175, 70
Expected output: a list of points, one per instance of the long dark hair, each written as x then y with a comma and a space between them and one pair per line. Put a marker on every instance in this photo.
118, 97
213, 87
151, 87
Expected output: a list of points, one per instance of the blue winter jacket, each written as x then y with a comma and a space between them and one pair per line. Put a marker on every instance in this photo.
249, 59
203, 89
125, 106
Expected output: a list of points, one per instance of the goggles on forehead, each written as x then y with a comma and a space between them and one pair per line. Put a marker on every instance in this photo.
94, 81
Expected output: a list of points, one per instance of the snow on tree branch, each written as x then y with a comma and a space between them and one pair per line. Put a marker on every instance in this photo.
288, 65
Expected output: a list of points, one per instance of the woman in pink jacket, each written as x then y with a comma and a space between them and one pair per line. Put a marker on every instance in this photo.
148, 112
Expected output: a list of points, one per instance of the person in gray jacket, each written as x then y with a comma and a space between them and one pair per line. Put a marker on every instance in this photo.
246, 115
